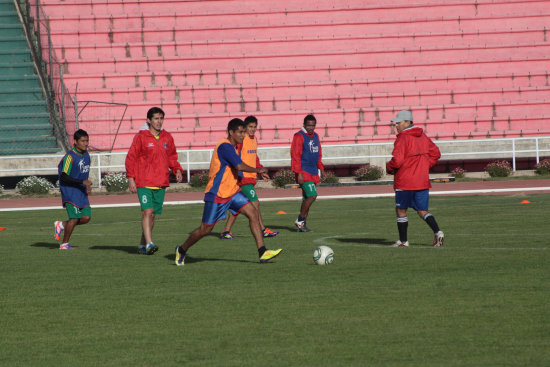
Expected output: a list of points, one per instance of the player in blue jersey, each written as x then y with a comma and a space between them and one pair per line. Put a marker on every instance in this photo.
74, 185
306, 162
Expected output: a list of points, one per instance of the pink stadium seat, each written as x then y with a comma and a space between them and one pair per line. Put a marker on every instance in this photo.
463, 69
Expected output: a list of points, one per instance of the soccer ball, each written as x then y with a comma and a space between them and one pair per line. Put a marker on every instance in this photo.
323, 255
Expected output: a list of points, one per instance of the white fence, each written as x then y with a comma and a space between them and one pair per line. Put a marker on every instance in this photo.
376, 153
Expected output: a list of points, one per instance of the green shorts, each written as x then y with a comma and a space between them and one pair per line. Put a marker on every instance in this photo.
151, 199
77, 213
308, 190
250, 192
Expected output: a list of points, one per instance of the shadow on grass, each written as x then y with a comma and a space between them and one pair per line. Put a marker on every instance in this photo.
366, 241
246, 233
127, 249
375, 241
279, 228
191, 260
218, 234
51, 246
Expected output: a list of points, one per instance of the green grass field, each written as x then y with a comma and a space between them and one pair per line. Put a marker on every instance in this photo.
482, 300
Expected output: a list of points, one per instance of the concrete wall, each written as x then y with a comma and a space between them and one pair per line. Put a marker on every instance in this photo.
375, 154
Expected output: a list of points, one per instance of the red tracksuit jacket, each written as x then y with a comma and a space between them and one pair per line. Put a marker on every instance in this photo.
413, 156
149, 160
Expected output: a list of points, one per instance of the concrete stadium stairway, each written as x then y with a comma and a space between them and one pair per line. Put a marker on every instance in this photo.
25, 124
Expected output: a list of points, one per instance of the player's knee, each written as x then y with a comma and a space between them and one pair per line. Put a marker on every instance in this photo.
148, 213
84, 220
205, 229
250, 211
422, 213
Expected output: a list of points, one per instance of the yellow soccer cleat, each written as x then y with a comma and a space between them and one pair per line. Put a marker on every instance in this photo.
180, 258
269, 255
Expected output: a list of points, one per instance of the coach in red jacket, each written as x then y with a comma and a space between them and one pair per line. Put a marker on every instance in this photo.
151, 157
413, 156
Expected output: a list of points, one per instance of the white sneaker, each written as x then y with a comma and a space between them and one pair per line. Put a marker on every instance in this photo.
302, 226
439, 237
400, 244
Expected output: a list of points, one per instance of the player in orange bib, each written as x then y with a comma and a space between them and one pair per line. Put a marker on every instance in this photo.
248, 151
222, 194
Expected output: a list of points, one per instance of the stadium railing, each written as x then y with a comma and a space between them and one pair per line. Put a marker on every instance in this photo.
376, 153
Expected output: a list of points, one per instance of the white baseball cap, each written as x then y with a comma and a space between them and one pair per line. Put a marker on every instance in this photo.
404, 115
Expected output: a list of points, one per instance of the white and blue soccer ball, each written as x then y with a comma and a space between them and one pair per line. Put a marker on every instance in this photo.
323, 255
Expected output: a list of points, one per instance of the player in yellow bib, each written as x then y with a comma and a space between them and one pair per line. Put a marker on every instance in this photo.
248, 151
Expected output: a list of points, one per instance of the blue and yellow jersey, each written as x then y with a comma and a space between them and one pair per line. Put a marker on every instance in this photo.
77, 166
223, 176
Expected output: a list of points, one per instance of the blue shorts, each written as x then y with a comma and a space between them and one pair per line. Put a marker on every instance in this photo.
214, 212
416, 199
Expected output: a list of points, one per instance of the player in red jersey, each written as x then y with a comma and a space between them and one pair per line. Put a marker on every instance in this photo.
151, 157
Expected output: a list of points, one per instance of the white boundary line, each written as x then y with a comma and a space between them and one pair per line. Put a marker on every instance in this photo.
288, 198
331, 241
97, 206
449, 192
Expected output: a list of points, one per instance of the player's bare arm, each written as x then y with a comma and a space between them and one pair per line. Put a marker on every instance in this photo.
246, 168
